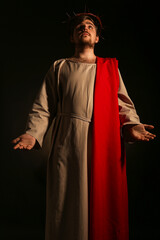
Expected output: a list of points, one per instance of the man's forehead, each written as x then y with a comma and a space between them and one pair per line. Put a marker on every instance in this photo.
86, 21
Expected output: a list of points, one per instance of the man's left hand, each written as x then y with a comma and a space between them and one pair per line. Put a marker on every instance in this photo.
138, 132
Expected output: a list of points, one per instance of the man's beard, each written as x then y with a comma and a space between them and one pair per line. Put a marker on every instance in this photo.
84, 44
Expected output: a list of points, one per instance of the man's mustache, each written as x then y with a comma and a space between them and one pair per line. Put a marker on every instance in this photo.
82, 32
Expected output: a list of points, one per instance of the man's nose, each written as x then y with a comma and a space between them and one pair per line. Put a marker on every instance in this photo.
84, 27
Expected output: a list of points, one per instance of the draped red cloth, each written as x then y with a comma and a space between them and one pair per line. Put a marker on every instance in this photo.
108, 218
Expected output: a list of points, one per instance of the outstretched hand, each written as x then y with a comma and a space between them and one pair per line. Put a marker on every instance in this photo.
133, 133
25, 141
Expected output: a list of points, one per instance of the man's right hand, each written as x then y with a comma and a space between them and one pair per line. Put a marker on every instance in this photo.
25, 141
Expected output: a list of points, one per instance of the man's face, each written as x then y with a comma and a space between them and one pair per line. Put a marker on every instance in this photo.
85, 34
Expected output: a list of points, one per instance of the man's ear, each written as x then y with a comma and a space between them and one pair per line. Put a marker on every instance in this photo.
97, 39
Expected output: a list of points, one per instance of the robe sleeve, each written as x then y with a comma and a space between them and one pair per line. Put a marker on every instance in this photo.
127, 111
44, 107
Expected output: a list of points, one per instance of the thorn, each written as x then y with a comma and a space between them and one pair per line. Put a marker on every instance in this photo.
68, 15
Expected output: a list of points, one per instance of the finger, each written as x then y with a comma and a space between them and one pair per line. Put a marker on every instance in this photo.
29, 147
18, 146
146, 139
148, 126
21, 147
151, 135
15, 140
143, 138
140, 138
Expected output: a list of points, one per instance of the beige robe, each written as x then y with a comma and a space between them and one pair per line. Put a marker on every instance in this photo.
67, 97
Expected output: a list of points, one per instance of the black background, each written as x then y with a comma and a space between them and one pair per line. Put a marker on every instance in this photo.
32, 37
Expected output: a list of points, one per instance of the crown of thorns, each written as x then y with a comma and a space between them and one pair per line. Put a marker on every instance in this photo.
73, 21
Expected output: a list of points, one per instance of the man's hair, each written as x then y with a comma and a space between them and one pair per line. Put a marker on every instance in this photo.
80, 17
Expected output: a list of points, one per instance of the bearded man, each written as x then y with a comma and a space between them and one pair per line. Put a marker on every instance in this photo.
93, 114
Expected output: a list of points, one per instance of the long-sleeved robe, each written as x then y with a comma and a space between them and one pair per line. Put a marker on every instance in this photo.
67, 96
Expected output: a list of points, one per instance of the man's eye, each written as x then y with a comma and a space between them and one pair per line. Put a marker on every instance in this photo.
79, 27
90, 27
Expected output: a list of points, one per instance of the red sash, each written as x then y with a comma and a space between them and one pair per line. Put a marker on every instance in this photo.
108, 193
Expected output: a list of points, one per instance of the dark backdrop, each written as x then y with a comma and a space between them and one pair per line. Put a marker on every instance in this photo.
32, 37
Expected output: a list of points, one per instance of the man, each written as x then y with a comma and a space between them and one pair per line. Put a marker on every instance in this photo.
86, 180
